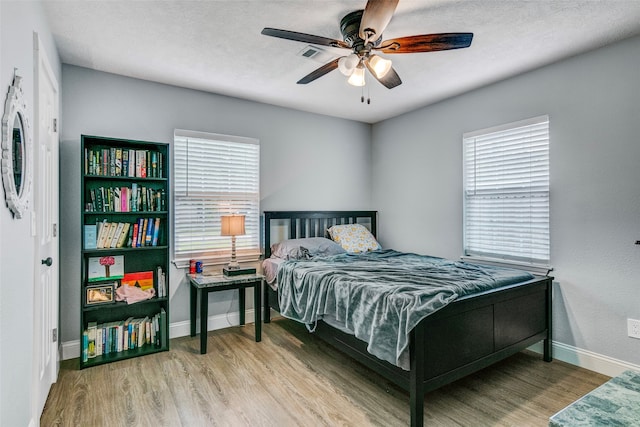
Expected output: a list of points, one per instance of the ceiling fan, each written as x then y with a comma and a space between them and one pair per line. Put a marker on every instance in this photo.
362, 33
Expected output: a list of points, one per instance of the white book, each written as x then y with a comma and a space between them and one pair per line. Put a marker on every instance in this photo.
116, 235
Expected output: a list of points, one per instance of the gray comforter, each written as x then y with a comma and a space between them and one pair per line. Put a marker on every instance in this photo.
380, 296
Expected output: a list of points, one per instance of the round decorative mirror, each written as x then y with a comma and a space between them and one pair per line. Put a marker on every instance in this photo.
16, 150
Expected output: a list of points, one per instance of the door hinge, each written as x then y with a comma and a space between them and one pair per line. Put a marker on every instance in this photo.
54, 335
55, 125
55, 230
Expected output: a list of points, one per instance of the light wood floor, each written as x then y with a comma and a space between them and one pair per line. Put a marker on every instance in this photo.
292, 378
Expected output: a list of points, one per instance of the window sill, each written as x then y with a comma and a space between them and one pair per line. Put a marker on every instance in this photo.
219, 260
537, 269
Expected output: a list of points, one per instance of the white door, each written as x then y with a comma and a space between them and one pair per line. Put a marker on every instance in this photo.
46, 189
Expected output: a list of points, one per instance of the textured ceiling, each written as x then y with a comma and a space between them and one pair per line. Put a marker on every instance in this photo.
216, 46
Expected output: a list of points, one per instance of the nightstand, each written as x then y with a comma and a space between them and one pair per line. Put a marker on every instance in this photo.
202, 285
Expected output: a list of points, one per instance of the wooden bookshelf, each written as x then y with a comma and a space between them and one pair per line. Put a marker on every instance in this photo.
133, 200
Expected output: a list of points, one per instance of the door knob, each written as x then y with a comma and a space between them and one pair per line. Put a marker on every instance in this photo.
47, 262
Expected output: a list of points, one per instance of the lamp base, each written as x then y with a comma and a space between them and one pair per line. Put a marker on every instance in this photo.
238, 271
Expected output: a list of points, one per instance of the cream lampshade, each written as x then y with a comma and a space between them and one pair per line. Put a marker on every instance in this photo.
232, 225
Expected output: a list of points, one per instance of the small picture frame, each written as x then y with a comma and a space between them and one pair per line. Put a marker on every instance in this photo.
101, 293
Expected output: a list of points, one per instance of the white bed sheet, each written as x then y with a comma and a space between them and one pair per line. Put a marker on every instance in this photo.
270, 271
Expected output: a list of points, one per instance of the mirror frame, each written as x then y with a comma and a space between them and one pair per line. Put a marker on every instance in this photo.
16, 108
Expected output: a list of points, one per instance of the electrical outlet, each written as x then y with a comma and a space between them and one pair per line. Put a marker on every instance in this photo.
633, 328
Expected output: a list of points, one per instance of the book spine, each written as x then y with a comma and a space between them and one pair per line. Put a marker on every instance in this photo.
99, 348
91, 340
90, 236
149, 236
112, 161
143, 193
85, 345
154, 164
143, 234
125, 162
118, 162
134, 241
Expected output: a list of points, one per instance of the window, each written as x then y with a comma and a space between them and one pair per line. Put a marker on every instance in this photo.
214, 175
506, 192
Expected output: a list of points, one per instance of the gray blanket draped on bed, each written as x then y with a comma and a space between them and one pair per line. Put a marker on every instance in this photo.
380, 296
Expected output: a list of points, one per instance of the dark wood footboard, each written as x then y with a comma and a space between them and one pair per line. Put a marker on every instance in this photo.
467, 335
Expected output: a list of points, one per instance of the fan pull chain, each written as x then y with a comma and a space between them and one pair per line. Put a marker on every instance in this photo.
362, 92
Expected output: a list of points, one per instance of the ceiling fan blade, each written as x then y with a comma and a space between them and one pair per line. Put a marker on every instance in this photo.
326, 68
390, 80
305, 38
375, 18
426, 43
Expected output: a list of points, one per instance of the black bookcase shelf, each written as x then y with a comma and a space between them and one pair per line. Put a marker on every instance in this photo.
126, 198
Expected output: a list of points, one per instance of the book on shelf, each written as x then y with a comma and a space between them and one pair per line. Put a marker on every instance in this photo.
154, 164
90, 236
105, 162
116, 235
118, 162
99, 207
161, 282
134, 236
122, 240
113, 161
99, 343
85, 345
156, 232
143, 234
125, 199
112, 231
91, 340
105, 230
149, 233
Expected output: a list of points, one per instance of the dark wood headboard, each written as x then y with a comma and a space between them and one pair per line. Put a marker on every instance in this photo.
313, 223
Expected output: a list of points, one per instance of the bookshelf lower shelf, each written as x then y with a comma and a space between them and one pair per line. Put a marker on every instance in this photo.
122, 355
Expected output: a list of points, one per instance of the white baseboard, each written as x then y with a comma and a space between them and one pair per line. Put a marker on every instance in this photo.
71, 349
575, 356
587, 359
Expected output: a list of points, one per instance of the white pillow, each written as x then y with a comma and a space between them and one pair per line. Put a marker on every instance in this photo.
354, 238
305, 248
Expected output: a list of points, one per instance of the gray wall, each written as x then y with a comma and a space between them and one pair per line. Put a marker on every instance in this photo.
18, 21
305, 159
593, 101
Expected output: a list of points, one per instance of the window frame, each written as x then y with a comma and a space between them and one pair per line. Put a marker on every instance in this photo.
534, 262
248, 246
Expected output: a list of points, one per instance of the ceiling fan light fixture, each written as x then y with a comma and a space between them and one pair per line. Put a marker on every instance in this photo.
379, 65
347, 64
357, 77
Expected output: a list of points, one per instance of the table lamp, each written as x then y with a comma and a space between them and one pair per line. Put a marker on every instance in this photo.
233, 225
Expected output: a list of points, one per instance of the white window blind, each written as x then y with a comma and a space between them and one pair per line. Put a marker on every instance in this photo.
506, 192
214, 175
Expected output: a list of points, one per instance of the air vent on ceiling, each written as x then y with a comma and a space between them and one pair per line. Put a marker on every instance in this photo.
317, 54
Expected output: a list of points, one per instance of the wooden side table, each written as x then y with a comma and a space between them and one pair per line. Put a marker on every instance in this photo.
202, 285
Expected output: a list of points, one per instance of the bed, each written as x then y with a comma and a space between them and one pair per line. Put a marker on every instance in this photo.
468, 334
